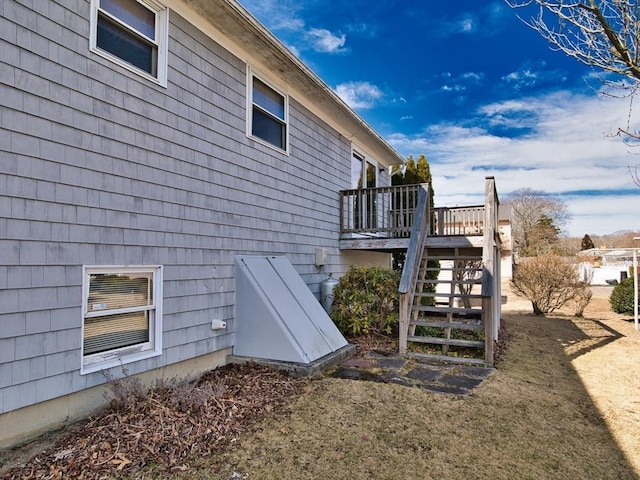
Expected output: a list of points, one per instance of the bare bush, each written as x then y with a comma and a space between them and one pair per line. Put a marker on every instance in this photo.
465, 274
582, 299
550, 282
124, 392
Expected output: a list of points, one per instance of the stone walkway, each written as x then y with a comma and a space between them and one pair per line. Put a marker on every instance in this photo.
436, 377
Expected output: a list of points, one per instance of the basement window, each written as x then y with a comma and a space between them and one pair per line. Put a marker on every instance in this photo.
122, 315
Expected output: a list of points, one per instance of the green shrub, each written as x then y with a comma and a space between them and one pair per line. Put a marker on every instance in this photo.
366, 300
621, 298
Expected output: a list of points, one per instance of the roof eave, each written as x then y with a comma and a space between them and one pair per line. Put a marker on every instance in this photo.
235, 22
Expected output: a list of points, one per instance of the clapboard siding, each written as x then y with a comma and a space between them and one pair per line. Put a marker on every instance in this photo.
100, 167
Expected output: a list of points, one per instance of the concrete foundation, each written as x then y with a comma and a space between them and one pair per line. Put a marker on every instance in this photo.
302, 370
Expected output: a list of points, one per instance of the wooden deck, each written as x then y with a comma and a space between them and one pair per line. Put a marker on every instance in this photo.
381, 219
466, 238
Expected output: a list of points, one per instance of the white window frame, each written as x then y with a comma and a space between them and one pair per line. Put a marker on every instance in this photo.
251, 74
366, 162
161, 41
133, 353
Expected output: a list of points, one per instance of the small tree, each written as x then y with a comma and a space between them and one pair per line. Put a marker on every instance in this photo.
542, 238
537, 219
586, 243
465, 274
549, 283
583, 296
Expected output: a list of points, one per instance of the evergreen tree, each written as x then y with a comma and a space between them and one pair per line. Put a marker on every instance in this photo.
586, 243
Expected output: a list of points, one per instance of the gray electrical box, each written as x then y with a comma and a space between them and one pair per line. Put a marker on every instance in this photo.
277, 316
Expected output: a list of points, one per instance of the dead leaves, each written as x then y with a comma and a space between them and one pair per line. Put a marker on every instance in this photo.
167, 426
120, 461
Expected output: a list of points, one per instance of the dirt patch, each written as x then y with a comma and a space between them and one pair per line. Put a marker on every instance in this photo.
562, 403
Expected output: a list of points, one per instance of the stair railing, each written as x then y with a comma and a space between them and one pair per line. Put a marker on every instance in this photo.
409, 279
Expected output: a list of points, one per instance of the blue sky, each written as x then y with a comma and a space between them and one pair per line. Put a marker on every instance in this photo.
478, 92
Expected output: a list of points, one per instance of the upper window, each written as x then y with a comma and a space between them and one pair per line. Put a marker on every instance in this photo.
121, 315
268, 118
132, 33
363, 173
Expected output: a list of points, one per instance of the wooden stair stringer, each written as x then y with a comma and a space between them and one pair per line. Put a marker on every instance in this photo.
436, 326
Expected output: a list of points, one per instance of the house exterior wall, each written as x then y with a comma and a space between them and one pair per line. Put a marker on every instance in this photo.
99, 166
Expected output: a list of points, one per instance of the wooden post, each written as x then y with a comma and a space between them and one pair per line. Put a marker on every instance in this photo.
403, 326
490, 226
487, 317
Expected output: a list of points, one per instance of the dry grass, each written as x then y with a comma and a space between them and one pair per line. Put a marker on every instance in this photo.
562, 404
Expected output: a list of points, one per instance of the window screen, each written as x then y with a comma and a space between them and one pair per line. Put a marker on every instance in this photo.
132, 32
119, 309
268, 115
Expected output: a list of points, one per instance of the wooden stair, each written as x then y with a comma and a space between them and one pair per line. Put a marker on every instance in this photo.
446, 321
450, 287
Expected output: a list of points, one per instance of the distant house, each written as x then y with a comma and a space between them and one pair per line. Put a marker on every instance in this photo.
144, 146
504, 227
605, 266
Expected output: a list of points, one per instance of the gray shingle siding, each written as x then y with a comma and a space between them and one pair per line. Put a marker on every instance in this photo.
99, 166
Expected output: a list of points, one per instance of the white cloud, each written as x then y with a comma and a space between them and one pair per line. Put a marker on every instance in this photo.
466, 25
359, 94
285, 18
473, 76
532, 75
566, 150
522, 78
487, 20
495, 15
460, 83
324, 41
282, 14
364, 30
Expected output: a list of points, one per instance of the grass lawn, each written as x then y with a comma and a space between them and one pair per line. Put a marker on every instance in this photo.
564, 402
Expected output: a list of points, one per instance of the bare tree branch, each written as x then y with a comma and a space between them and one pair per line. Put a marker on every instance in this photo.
635, 175
534, 215
603, 34
600, 33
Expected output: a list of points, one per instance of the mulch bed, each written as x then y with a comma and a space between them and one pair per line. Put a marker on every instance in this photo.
166, 426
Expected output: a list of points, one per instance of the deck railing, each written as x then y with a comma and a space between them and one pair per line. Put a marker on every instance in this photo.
389, 212
382, 211
459, 220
